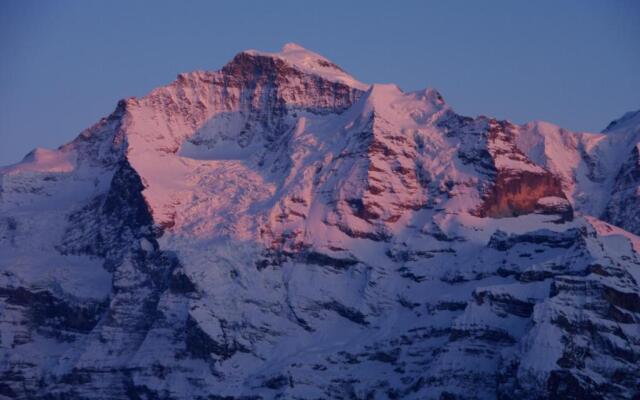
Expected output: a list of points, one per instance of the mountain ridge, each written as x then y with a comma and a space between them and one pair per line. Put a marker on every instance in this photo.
277, 229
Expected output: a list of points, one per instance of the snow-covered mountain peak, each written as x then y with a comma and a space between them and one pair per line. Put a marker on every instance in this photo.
381, 95
430, 94
311, 63
630, 121
277, 229
413, 109
294, 47
42, 160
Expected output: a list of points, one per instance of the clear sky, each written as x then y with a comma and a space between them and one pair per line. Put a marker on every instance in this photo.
64, 64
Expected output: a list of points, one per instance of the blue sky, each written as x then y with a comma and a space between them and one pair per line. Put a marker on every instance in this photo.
64, 64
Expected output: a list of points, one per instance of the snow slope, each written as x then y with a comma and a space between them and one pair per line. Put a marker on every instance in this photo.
278, 229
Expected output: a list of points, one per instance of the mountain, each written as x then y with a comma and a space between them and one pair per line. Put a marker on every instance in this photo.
278, 229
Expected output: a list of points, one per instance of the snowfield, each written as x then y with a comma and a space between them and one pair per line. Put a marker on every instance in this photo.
279, 230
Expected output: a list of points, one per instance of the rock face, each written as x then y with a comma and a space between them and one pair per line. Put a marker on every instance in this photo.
622, 209
277, 229
518, 184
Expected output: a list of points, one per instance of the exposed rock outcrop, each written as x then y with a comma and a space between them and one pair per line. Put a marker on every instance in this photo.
277, 229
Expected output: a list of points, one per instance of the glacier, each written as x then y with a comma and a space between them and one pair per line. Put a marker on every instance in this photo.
278, 229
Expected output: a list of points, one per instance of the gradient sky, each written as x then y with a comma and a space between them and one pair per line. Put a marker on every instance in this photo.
64, 64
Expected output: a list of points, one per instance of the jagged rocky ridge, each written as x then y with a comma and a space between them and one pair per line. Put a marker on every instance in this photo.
277, 229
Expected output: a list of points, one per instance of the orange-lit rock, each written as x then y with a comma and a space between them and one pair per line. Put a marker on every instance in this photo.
517, 192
